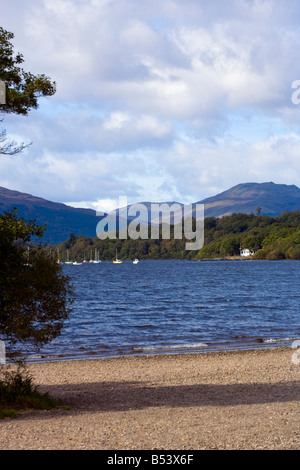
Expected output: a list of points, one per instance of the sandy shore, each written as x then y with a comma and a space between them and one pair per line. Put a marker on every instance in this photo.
236, 400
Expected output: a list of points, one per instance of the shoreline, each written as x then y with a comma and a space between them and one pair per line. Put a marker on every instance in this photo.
166, 355
246, 399
166, 351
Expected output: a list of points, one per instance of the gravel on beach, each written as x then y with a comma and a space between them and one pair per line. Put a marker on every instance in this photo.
225, 400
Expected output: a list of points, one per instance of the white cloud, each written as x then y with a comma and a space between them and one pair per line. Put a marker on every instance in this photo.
156, 100
116, 120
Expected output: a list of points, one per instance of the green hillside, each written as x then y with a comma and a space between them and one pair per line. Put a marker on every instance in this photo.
270, 238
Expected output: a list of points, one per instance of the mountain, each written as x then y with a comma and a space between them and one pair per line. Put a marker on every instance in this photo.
62, 220
273, 199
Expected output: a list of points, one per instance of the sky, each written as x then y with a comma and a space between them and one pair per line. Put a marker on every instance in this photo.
173, 100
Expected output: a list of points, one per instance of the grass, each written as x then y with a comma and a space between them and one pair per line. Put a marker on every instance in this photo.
18, 393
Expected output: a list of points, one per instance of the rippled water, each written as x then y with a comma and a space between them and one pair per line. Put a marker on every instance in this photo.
163, 307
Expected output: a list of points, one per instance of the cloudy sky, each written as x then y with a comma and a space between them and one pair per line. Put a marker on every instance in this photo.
172, 100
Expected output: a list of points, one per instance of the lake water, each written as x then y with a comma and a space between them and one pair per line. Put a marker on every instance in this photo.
170, 307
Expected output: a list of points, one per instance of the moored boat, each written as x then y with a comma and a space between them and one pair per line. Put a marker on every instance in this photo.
117, 261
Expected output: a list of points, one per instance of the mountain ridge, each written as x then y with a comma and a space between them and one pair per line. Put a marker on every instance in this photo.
61, 219
273, 199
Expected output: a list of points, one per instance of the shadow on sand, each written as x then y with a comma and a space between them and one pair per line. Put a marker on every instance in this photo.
124, 396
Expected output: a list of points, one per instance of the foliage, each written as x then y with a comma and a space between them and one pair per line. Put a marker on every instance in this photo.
35, 296
270, 237
17, 390
23, 89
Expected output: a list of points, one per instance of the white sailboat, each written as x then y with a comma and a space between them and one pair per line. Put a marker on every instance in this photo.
58, 259
96, 260
117, 261
68, 262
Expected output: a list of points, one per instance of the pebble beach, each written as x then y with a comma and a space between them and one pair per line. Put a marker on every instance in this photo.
215, 401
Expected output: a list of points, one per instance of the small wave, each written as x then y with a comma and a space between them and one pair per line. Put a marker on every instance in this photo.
171, 347
266, 307
145, 326
277, 340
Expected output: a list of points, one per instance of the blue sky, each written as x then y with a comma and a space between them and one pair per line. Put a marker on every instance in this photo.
156, 101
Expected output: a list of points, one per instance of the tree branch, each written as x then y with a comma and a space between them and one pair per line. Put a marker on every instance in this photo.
10, 147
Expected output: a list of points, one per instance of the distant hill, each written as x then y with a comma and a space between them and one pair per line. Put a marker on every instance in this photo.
273, 199
62, 220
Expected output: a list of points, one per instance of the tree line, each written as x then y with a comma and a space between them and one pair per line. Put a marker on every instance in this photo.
269, 237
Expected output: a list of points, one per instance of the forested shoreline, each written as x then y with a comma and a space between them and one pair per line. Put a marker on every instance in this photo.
269, 237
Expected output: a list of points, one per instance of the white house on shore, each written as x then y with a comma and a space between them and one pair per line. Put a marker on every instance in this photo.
246, 252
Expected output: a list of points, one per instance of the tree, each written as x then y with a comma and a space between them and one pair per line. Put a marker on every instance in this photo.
22, 89
35, 296
9, 147
230, 246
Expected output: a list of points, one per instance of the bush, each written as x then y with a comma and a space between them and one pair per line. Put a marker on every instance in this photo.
17, 391
260, 254
294, 252
16, 384
275, 255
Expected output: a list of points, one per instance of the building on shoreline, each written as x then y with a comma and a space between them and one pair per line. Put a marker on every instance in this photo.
246, 252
